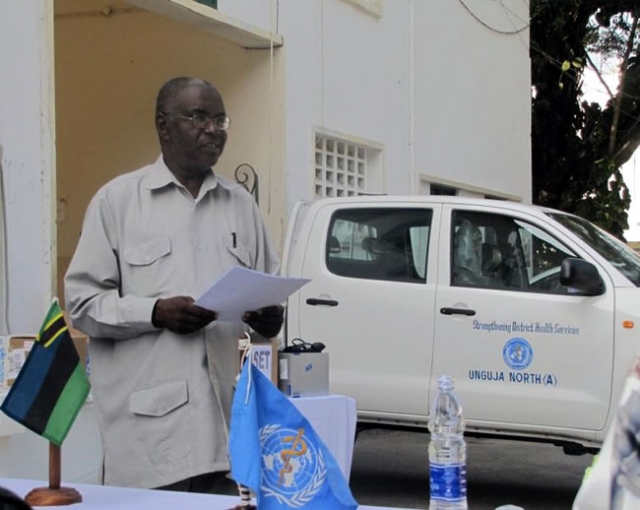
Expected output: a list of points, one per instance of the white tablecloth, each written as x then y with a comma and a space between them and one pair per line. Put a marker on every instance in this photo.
98, 497
334, 419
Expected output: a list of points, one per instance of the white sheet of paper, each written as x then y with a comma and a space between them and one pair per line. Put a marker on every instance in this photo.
240, 290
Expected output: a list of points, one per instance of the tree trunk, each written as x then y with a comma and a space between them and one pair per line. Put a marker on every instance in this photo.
613, 135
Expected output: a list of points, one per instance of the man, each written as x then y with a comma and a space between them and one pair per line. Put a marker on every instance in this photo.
163, 369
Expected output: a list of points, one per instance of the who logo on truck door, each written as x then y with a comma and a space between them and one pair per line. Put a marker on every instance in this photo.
517, 354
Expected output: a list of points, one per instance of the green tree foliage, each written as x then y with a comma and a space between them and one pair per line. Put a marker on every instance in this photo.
578, 148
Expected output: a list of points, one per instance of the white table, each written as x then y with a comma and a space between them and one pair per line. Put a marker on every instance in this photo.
334, 419
99, 497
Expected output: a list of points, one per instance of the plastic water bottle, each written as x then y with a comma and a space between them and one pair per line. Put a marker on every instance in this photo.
447, 451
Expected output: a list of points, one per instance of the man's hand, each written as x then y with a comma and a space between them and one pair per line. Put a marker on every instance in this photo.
180, 315
267, 321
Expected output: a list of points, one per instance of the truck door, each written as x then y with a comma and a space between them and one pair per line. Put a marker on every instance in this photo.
522, 348
371, 301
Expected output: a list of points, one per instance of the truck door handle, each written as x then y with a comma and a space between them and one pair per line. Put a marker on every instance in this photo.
457, 311
326, 302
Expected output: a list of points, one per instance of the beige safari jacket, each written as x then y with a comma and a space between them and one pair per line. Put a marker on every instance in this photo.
163, 400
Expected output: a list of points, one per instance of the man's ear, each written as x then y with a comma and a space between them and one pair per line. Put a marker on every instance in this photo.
162, 126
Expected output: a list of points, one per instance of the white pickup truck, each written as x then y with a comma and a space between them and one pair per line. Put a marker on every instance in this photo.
536, 313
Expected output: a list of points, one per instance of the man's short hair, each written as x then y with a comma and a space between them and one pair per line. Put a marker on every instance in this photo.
170, 90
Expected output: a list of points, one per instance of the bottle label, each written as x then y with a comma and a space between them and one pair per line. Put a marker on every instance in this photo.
448, 482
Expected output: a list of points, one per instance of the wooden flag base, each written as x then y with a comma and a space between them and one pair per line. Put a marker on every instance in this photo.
44, 496
54, 495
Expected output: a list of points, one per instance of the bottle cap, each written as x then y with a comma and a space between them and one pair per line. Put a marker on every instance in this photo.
445, 382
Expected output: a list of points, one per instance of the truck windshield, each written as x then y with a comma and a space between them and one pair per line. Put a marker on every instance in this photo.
621, 256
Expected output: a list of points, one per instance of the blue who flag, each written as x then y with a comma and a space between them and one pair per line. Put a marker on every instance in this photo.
276, 453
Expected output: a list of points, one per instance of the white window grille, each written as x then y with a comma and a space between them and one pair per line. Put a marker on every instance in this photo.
341, 168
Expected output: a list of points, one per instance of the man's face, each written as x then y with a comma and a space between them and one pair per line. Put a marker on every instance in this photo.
192, 147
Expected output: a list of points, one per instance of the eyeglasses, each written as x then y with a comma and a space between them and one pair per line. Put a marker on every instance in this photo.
201, 121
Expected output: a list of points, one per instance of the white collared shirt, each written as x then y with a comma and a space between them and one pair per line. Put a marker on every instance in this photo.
162, 399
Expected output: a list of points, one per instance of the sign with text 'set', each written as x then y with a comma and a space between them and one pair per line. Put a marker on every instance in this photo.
264, 357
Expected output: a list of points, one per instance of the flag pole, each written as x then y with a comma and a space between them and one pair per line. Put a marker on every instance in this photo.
55, 466
244, 346
54, 495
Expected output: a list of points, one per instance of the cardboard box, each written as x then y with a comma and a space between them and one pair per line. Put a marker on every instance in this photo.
304, 374
17, 348
264, 357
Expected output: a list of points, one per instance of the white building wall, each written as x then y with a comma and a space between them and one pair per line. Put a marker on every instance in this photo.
347, 71
473, 99
444, 94
27, 140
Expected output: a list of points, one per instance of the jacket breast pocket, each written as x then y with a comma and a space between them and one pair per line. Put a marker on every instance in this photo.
146, 267
239, 252
162, 420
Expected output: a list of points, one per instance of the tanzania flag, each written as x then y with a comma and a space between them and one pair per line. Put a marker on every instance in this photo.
52, 386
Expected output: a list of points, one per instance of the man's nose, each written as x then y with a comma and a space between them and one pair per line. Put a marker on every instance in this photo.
210, 126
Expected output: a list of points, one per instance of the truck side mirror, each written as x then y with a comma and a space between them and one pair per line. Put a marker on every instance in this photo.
581, 277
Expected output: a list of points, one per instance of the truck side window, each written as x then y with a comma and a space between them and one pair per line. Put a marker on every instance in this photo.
495, 251
379, 244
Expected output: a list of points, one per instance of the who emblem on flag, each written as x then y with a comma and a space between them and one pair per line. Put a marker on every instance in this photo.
52, 386
276, 453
